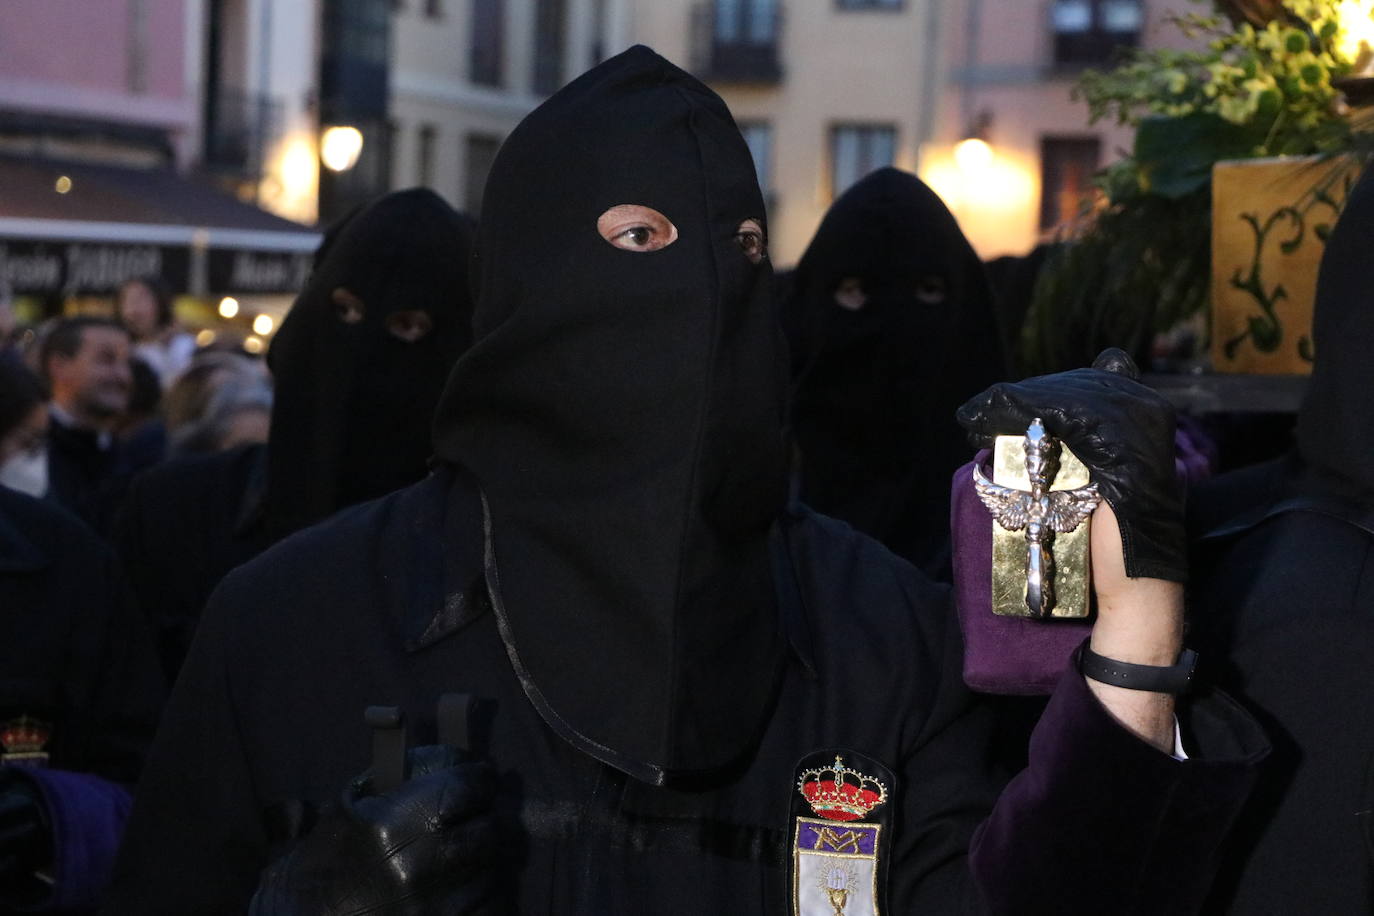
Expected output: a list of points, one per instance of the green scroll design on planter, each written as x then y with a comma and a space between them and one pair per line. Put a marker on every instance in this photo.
1265, 331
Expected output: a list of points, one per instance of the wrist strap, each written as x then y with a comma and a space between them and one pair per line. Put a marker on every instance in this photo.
1175, 678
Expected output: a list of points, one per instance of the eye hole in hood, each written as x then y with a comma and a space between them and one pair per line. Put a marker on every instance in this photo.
635, 227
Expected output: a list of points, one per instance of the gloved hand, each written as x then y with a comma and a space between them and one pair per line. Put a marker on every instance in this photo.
25, 839
421, 848
1122, 430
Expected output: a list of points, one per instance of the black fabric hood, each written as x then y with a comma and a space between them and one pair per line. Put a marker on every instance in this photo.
876, 386
353, 402
622, 413
1335, 431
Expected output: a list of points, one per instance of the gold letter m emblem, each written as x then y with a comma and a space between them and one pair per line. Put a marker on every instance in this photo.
827, 838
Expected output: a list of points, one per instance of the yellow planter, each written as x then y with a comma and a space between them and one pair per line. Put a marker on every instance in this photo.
1270, 220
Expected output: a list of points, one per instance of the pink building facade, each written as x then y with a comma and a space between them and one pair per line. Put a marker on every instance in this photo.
120, 63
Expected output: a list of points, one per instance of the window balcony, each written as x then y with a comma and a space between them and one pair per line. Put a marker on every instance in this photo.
239, 126
737, 41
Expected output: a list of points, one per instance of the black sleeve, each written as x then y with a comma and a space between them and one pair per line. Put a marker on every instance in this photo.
153, 583
1099, 821
952, 778
195, 841
1102, 822
114, 685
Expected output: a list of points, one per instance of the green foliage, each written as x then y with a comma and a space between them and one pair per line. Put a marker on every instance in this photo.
1121, 282
1275, 81
1141, 263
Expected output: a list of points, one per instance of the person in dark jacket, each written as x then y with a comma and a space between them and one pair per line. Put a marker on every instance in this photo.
80, 693
85, 361
1284, 560
358, 364
688, 697
892, 327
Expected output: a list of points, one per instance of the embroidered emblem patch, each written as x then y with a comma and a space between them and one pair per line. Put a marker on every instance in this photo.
835, 850
24, 742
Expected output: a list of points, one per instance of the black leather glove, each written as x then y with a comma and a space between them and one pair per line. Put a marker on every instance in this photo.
25, 839
1122, 430
421, 848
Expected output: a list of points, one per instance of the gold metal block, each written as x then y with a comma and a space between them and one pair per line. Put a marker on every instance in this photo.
1073, 563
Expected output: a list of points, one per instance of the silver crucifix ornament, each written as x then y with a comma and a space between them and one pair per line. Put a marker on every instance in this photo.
1044, 509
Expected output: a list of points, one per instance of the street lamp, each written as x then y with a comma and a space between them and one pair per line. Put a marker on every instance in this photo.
340, 147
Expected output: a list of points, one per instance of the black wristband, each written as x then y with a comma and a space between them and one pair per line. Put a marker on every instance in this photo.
1175, 678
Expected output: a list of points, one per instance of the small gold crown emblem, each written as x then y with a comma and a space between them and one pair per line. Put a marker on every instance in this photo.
840, 793
23, 736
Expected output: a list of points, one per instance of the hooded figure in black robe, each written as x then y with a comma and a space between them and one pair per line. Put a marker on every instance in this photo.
1284, 560
80, 694
358, 365
892, 326
667, 662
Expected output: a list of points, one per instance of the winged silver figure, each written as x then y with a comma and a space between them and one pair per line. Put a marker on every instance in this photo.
1041, 511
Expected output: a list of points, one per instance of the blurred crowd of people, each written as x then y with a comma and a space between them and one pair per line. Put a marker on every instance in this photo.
138, 471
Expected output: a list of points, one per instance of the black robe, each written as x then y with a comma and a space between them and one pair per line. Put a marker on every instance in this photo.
385, 604
185, 524
1284, 592
1284, 584
350, 419
876, 387
80, 689
74, 651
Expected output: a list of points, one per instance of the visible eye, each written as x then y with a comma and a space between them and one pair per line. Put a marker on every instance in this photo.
635, 227
751, 240
348, 308
850, 295
931, 290
410, 325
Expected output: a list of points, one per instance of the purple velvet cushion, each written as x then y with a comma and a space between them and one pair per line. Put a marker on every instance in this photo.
87, 814
1013, 655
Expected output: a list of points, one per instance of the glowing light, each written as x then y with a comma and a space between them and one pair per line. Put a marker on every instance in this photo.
254, 345
205, 338
972, 155
263, 325
228, 307
297, 167
1356, 18
997, 207
62, 185
340, 148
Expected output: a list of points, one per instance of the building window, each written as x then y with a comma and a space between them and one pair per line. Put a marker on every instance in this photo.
1092, 31
488, 37
1067, 167
737, 41
759, 136
856, 150
427, 140
869, 4
481, 153
434, 9
746, 22
549, 27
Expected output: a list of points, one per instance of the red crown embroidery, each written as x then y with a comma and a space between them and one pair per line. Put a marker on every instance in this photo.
840, 793
23, 737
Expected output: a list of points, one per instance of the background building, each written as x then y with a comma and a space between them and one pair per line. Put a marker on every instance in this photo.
1007, 76
825, 91
257, 88
464, 72
136, 137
